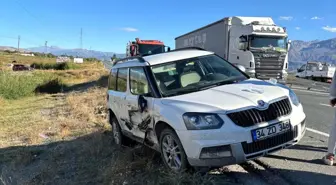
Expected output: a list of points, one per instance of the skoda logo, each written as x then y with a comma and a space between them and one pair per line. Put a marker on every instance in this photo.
262, 104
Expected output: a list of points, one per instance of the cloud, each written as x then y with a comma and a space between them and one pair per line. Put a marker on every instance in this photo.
316, 18
286, 18
297, 28
129, 29
330, 29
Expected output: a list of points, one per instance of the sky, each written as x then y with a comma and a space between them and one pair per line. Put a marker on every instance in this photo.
107, 25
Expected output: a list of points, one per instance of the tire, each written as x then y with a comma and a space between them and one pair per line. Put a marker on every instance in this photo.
118, 137
179, 152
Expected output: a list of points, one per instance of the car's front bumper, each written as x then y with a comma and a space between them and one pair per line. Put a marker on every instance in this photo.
236, 146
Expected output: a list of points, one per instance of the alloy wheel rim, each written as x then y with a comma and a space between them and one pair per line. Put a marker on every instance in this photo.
171, 152
116, 134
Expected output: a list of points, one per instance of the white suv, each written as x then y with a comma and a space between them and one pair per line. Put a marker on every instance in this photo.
197, 109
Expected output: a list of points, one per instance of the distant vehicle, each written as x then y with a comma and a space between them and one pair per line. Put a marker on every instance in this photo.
256, 43
316, 71
145, 47
199, 110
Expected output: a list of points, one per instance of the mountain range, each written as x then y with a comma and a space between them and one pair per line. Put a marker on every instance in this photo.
303, 51
84, 53
299, 53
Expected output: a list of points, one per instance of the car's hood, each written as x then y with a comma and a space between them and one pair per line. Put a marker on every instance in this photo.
228, 97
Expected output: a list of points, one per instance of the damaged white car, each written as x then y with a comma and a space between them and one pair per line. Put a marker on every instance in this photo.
199, 110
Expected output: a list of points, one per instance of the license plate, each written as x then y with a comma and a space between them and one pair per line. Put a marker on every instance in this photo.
271, 130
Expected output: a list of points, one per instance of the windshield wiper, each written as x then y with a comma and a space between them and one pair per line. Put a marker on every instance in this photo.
229, 81
182, 91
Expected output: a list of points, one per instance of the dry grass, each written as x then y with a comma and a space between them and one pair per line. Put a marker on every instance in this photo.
71, 77
65, 139
28, 120
6, 58
21, 121
92, 159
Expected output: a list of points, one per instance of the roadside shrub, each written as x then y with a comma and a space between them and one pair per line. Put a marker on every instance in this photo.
14, 85
54, 66
51, 87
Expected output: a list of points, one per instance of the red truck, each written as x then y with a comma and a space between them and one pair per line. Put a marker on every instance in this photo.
145, 47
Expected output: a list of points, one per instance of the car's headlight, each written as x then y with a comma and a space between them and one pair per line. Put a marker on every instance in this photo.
202, 121
294, 98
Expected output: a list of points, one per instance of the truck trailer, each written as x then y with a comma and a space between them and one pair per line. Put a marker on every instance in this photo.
256, 43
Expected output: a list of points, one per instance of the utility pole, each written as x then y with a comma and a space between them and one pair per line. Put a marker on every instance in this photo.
81, 39
46, 47
18, 48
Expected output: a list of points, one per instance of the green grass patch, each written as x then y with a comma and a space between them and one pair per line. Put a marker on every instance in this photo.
14, 85
55, 66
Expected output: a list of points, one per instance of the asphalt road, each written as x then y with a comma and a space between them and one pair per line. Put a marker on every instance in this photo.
316, 106
302, 163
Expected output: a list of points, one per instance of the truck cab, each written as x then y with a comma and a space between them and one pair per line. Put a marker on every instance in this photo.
144, 47
253, 42
260, 46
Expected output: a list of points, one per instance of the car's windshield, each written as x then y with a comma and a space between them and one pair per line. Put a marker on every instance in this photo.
195, 74
150, 49
267, 41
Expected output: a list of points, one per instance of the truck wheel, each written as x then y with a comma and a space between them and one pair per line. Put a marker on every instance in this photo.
172, 151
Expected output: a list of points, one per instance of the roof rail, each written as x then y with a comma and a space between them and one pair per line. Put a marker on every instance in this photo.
128, 58
187, 48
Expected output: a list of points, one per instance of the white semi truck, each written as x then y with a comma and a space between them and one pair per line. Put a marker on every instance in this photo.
253, 42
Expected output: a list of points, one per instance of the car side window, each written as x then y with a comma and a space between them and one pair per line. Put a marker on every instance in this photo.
112, 81
122, 79
138, 81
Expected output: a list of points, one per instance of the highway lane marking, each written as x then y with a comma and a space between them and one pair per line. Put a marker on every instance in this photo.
312, 92
327, 105
317, 132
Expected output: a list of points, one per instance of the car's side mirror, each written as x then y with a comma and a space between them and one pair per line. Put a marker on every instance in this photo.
243, 46
142, 103
288, 44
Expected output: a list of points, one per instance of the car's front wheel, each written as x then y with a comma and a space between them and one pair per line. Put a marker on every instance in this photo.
172, 151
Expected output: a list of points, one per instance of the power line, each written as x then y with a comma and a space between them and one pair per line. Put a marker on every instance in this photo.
26, 10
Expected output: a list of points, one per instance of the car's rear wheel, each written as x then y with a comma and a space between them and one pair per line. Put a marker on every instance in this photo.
172, 151
118, 137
